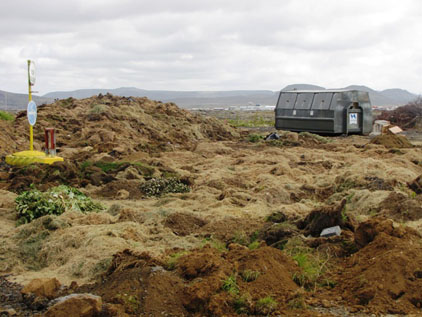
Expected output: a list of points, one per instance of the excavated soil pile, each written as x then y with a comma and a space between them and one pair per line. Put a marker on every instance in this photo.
183, 224
385, 275
8, 140
401, 207
120, 126
392, 141
206, 282
43, 176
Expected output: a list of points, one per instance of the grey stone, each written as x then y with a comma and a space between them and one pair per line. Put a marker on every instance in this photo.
332, 231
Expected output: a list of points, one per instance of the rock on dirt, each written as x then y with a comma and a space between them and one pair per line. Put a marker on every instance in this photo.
76, 305
42, 287
325, 217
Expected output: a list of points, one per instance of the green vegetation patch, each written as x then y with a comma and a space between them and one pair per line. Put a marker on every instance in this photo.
250, 275
112, 167
172, 260
255, 122
255, 138
158, 186
266, 305
98, 109
33, 203
312, 263
319, 138
230, 285
4, 115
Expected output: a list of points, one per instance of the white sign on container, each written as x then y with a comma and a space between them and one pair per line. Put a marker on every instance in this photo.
353, 118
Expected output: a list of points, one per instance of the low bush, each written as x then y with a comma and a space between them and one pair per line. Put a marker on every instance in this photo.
33, 203
6, 116
159, 186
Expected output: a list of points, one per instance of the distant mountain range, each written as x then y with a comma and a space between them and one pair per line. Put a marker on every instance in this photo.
199, 99
12, 101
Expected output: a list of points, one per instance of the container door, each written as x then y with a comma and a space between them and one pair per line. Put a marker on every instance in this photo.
354, 120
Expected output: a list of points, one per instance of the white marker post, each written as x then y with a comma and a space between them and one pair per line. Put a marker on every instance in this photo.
31, 111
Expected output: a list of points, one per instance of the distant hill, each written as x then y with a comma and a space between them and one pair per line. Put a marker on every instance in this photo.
303, 87
13, 102
206, 99
182, 98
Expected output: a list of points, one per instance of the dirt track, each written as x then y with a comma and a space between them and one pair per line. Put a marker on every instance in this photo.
373, 267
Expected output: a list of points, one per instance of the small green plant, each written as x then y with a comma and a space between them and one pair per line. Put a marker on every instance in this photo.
173, 259
97, 109
214, 243
266, 305
297, 303
241, 238
250, 275
84, 165
254, 138
6, 116
33, 203
344, 216
240, 304
230, 285
159, 186
130, 302
109, 166
313, 264
320, 139
254, 245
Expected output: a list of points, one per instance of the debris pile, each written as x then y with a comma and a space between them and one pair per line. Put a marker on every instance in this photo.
119, 126
407, 117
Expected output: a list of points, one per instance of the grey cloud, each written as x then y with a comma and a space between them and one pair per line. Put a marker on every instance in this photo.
168, 44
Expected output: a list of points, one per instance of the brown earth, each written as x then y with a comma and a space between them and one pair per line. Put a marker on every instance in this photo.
204, 252
392, 141
196, 287
120, 126
385, 275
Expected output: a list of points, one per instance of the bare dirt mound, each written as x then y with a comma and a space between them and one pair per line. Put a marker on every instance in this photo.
120, 126
385, 276
207, 282
8, 141
43, 176
222, 284
392, 141
183, 224
141, 285
401, 208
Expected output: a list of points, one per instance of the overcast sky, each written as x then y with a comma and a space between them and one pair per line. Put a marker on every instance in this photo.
211, 45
